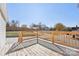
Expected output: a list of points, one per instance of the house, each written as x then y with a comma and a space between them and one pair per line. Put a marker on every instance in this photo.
3, 18
39, 27
75, 28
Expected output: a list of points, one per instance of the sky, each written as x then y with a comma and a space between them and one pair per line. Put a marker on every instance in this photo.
46, 13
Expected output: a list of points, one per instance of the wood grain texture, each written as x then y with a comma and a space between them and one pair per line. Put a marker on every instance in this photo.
35, 50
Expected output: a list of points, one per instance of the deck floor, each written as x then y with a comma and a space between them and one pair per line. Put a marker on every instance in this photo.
34, 50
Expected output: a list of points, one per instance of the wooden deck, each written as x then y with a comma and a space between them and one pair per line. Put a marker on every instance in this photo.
34, 50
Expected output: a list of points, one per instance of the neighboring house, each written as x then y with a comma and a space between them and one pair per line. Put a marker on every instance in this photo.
3, 18
40, 27
75, 28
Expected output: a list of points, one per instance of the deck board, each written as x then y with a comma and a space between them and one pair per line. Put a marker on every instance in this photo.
35, 50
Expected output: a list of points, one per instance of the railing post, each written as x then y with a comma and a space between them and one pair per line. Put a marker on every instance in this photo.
37, 35
53, 38
20, 38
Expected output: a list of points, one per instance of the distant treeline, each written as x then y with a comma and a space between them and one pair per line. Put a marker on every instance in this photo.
14, 26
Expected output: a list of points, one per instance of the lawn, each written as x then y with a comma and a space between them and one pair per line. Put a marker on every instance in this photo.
16, 33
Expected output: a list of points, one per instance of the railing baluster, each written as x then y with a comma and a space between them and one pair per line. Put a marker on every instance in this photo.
66, 38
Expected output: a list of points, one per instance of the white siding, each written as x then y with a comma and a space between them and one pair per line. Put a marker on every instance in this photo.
3, 18
2, 32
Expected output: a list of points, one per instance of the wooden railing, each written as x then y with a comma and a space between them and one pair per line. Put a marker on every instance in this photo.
25, 34
20, 38
66, 38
